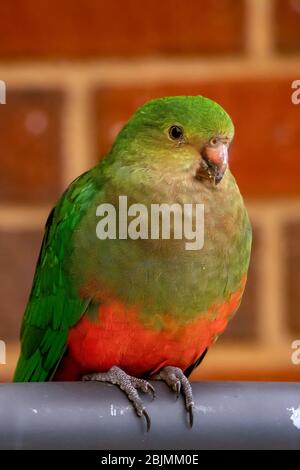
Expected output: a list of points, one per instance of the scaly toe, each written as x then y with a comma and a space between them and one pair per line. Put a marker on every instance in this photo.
144, 386
178, 382
130, 386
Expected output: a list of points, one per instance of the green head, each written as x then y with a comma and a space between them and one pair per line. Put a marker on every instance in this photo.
182, 136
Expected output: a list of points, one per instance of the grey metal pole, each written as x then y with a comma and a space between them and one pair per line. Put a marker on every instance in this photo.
228, 415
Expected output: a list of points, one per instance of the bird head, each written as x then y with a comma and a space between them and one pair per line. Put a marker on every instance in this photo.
180, 136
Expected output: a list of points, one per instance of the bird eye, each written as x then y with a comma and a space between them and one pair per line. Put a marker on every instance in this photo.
176, 133
214, 141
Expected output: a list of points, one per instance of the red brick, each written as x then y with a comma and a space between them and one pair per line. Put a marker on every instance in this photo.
265, 152
120, 28
287, 25
18, 254
30, 136
291, 236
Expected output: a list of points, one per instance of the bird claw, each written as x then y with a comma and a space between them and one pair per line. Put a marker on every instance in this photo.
152, 390
190, 411
148, 420
177, 381
129, 385
173, 376
177, 389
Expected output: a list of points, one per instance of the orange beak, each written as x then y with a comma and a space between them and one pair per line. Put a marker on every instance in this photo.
214, 162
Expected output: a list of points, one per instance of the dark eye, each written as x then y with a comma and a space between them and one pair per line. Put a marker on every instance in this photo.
176, 133
214, 141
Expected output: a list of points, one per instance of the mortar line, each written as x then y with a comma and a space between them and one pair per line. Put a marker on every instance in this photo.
77, 144
148, 71
259, 28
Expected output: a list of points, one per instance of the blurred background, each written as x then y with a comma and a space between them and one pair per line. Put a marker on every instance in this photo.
75, 71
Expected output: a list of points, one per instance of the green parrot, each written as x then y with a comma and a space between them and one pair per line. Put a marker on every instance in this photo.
120, 309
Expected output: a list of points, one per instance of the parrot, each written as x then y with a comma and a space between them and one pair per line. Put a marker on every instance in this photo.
129, 311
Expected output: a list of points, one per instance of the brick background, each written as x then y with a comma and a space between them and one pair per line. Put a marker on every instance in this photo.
287, 25
120, 28
291, 234
31, 154
18, 253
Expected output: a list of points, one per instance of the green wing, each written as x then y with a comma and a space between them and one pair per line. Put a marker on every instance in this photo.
54, 305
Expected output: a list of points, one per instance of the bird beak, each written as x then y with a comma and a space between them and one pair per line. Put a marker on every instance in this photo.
214, 161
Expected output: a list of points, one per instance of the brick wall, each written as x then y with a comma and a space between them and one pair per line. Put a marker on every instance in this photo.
74, 73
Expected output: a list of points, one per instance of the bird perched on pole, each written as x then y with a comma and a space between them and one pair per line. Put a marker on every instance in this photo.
125, 309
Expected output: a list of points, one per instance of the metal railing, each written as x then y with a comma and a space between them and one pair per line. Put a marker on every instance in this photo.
228, 415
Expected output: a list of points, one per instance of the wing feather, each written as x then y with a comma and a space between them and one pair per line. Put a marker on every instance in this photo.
54, 304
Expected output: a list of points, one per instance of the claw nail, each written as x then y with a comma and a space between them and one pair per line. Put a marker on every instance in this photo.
152, 390
191, 414
148, 420
177, 389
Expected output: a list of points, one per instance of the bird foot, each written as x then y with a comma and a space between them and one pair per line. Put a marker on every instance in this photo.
178, 382
130, 385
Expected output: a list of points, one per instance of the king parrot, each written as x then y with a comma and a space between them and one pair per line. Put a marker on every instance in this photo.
124, 310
